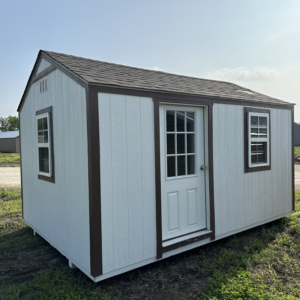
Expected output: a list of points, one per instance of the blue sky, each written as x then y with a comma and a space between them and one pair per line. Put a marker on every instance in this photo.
252, 43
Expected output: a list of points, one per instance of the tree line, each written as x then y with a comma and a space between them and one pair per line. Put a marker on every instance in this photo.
11, 123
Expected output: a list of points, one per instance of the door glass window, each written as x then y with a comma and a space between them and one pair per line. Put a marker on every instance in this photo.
180, 139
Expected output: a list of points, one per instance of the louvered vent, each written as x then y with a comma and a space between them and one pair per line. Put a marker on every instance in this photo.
43, 85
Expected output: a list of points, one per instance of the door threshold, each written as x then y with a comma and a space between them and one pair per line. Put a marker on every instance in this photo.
185, 237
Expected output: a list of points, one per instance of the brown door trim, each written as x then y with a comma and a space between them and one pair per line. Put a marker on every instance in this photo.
160, 249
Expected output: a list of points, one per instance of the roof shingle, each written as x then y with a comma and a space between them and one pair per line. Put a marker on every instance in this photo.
99, 72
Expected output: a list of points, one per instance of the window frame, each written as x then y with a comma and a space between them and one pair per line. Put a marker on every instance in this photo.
248, 112
185, 132
46, 112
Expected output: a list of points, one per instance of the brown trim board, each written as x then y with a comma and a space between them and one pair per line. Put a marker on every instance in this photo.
21, 166
246, 141
42, 177
94, 181
42, 74
293, 163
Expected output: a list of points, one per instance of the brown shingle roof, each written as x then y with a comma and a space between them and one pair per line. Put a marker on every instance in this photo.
99, 72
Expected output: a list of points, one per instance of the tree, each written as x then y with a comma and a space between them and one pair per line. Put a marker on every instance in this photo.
11, 123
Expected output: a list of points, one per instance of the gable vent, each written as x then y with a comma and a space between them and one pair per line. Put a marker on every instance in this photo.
43, 85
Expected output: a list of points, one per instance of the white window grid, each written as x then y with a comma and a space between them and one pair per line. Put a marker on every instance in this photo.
44, 145
259, 139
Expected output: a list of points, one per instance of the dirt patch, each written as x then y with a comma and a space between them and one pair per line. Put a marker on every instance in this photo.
10, 177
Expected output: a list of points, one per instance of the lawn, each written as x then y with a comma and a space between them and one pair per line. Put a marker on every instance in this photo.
9, 159
261, 263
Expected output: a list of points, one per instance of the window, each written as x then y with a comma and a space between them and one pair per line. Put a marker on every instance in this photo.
45, 144
180, 139
257, 130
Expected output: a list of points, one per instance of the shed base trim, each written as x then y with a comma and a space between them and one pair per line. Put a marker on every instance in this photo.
252, 226
70, 259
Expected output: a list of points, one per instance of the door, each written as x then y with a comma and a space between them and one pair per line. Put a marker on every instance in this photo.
182, 180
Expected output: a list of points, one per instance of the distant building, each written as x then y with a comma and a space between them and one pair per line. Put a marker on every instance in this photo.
10, 141
296, 134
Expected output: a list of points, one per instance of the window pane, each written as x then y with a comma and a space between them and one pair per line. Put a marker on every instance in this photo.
45, 125
254, 121
170, 121
40, 124
44, 160
263, 132
190, 143
46, 136
180, 120
258, 152
180, 143
181, 165
254, 132
263, 121
170, 143
171, 166
40, 137
191, 164
190, 121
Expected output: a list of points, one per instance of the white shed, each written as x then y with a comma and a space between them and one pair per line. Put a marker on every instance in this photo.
123, 166
10, 141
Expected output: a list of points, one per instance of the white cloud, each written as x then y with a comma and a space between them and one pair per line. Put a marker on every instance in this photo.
244, 74
156, 68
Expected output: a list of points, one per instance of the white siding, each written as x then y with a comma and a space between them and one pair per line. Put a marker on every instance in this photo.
58, 211
243, 199
127, 180
42, 66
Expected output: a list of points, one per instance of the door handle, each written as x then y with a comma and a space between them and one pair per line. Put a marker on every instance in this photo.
203, 168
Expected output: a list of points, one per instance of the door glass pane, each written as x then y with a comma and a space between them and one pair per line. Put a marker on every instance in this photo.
44, 160
180, 143
263, 132
181, 165
190, 121
40, 137
171, 166
191, 164
254, 121
46, 136
170, 121
180, 120
254, 132
40, 124
171, 143
190, 143
263, 121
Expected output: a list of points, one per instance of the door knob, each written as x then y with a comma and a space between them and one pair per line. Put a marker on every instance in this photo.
203, 168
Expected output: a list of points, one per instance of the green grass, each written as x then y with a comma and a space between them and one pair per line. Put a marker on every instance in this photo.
9, 159
263, 266
296, 151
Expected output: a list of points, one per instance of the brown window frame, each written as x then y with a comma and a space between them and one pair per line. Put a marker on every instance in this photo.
52, 177
246, 140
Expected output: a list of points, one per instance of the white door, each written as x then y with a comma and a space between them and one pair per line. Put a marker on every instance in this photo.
182, 181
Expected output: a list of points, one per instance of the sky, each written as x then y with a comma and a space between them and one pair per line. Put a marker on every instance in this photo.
255, 44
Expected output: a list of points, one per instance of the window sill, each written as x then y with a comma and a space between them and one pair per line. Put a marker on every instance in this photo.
46, 178
257, 169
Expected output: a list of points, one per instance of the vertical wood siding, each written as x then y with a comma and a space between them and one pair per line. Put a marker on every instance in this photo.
127, 180
60, 210
243, 199
43, 65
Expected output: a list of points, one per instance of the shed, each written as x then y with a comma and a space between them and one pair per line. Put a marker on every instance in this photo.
296, 134
123, 166
10, 141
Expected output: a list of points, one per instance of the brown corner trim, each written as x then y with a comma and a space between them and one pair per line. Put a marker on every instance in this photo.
246, 140
42, 177
42, 74
159, 247
94, 181
293, 163
21, 166
187, 242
